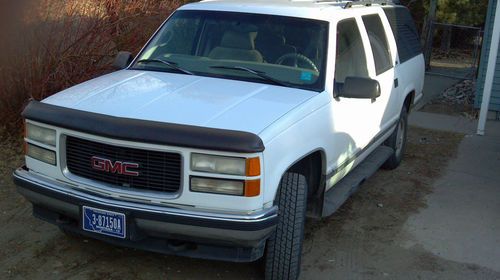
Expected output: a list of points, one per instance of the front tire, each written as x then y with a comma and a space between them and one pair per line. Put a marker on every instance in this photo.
397, 141
284, 247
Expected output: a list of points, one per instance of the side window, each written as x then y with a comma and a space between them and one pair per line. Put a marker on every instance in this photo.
403, 28
351, 56
379, 43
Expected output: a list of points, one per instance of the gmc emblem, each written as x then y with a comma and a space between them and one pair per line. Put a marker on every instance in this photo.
117, 167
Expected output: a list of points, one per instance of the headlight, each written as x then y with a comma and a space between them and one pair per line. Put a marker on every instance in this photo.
225, 165
41, 154
208, 185
218, 164
41, 134
249, 188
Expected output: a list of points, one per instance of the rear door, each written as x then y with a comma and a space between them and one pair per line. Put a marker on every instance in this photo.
383, 54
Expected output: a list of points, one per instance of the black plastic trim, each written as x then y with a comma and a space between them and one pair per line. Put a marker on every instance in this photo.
144, 131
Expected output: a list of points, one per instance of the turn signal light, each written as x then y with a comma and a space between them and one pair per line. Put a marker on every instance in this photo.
252, 188
253, 167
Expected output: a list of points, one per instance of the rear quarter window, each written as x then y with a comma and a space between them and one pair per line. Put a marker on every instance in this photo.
405, 32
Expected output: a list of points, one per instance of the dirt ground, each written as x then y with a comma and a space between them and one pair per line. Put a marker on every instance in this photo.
457, 100
439, 107
363, 240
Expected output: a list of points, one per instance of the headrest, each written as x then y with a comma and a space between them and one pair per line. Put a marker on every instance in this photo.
239, 40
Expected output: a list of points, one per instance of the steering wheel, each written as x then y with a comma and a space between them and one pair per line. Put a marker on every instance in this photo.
296, 58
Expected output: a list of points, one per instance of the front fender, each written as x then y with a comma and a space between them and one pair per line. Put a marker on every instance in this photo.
304, 137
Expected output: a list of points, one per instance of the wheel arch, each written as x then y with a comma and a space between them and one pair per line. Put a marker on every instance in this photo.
409, 98
312, 166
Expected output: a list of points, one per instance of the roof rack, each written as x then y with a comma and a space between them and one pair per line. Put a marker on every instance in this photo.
350, 3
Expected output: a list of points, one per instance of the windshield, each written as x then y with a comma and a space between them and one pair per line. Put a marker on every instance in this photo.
268, 49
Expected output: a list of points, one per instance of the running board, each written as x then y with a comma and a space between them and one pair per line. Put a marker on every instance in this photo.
341, 191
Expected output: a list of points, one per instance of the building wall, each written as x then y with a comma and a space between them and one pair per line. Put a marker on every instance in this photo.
495, 94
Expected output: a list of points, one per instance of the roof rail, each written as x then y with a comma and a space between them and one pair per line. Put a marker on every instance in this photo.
350, 3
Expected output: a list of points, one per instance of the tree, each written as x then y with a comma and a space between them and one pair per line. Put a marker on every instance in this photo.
464, 12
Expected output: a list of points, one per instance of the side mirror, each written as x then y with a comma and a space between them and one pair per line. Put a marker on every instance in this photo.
122, 60
362, 88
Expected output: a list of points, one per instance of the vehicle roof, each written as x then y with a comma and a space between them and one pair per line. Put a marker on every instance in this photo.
313, 9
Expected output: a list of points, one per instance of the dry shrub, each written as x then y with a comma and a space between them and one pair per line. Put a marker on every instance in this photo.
50, 45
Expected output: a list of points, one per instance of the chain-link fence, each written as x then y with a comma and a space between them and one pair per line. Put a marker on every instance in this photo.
455, 50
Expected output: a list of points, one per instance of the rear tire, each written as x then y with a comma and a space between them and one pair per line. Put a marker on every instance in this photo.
397, 141
284, 247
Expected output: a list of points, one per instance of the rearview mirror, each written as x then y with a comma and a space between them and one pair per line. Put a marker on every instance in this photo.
362, 88
122, 60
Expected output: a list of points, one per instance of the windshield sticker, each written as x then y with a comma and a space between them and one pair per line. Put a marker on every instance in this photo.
306, 76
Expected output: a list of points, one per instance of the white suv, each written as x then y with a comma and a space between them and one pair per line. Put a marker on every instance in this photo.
236, 121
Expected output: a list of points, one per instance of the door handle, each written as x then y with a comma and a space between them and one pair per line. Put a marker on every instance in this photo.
396, 83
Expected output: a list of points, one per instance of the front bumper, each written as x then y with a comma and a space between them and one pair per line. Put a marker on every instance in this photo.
154, 228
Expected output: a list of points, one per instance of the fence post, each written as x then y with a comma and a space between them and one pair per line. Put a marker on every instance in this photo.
476, 54
431, 18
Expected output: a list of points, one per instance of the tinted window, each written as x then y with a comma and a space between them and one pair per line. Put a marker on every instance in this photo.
351, 56
378, 42
403, 27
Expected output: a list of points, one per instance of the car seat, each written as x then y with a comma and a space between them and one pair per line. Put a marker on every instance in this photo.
237, 46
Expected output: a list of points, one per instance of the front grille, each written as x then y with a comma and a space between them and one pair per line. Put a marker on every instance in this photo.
158, 171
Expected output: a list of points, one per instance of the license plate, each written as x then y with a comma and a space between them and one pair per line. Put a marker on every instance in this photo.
104, 222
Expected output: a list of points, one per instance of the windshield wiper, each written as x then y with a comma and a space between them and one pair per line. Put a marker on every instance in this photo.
259, 74
170, 64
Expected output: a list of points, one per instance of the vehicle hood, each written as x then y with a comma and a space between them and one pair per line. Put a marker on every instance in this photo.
183, 99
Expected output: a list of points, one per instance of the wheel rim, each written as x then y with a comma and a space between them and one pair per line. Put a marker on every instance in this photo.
400, 137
